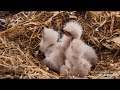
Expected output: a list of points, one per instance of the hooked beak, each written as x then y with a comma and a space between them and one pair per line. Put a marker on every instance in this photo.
65, 32
62, 31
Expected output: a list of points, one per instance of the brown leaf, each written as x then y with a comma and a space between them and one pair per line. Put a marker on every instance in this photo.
116, 40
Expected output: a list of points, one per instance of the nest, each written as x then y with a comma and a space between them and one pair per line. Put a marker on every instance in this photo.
103, 29
21, 58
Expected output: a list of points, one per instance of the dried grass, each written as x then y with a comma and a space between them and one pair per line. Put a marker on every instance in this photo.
19, 55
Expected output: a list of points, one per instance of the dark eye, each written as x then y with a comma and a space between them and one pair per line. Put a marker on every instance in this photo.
42, 27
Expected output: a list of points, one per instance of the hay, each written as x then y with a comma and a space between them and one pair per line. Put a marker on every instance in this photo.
19, 54
103, 27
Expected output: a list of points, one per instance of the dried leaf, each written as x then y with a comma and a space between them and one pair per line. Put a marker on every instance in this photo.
116, 40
